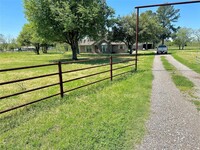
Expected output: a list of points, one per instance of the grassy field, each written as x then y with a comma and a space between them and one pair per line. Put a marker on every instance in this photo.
190, 57
108, 115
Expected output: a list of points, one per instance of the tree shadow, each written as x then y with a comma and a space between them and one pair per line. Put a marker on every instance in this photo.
94, 59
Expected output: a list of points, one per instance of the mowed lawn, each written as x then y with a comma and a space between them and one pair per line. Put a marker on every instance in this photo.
189, 57
107, 115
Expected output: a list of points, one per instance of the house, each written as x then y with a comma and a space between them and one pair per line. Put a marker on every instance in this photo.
87, 45
102, 46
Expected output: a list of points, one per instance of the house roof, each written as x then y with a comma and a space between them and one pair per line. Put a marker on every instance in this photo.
117, 43
89, 43
86, 43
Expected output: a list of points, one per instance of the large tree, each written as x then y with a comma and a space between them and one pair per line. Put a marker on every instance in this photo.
149, 28
28, 36
196, 33
124, 31
182, 37
166, 16
68, 20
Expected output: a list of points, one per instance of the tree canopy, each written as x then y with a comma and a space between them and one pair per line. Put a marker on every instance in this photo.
29, 36
182, 37
68, 20
124, 30
149, 28
166, 16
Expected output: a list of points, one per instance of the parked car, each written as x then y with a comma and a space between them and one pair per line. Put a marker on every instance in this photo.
162, 49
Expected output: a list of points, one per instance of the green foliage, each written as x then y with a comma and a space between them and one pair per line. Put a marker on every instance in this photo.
28, 36
166, 16
182, 37
152, 27
124, 30
7, 43
149, 27
196, 34
68, 21
25, 36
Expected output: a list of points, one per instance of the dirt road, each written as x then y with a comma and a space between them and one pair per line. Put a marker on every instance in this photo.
174, 121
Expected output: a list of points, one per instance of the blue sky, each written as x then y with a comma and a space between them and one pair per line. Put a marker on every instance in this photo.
12, 16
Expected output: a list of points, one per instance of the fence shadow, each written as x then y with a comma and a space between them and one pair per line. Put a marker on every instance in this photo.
15, 118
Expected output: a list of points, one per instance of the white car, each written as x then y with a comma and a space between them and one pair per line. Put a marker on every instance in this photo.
162, 49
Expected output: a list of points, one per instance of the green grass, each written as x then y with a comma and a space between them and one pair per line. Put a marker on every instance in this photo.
190, 58
107, 115
197, 103
183, 83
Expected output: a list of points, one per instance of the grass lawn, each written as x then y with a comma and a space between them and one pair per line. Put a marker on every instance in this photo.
107, 115
190, 58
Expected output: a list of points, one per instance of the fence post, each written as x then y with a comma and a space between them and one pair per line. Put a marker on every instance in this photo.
111, 68
60, 79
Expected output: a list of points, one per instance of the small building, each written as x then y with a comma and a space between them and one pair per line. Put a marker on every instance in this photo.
87, 45
102, 46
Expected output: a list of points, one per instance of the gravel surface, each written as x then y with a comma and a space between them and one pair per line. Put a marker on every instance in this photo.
174, 121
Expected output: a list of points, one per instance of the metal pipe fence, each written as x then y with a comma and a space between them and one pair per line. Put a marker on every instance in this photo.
60, 74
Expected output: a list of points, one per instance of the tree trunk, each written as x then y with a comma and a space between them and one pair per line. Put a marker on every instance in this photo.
163, 41
131, 49
78, 52
45, 48
146, 45
74, 49
37, 48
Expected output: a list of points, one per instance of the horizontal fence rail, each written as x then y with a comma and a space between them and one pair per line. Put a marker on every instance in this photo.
113, 67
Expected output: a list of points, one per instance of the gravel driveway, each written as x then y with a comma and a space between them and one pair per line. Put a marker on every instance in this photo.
187, 72
174, 121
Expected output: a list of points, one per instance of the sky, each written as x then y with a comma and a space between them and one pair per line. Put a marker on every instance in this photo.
12, 16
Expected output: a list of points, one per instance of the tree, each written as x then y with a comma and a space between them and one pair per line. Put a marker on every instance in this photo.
197, 35
182, 37
149, 28
3, 43
124, 30
166, 16
68, 20
24, 38
12, 44
28, 36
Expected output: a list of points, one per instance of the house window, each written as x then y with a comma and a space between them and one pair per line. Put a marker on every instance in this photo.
104, 47
88, 49
121, 47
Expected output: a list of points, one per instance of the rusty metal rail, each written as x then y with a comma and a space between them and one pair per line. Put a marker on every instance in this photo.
60, 77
